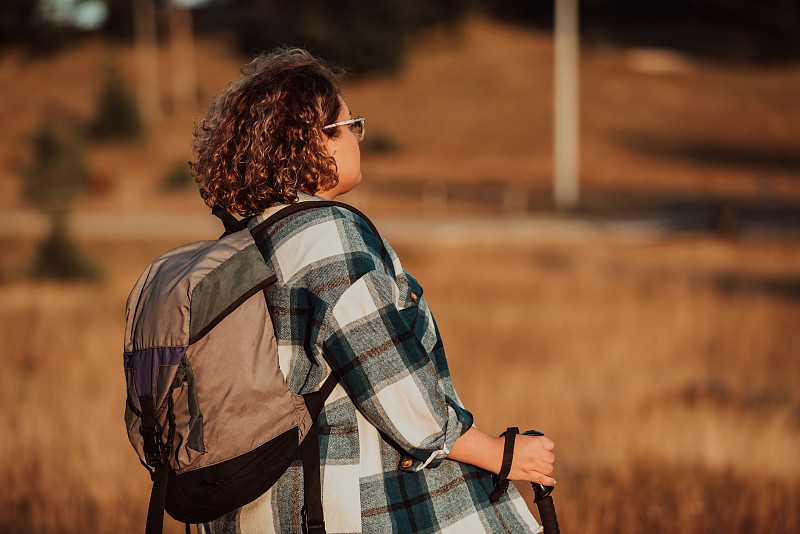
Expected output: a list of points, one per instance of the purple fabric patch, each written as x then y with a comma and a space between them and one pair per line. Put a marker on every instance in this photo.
145, 364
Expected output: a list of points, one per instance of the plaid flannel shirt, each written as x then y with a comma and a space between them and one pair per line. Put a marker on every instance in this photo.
343, 300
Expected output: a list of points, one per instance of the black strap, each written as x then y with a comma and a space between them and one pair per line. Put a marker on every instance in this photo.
501, 481
156, 453
316, 399
158, 497
231, 223
313, 516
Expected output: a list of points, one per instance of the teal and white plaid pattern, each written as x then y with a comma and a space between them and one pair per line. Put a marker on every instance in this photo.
388, 426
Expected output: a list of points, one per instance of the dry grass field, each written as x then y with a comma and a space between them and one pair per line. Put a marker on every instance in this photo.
665, 369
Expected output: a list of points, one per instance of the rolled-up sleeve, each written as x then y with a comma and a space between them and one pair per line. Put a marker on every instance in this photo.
387, 371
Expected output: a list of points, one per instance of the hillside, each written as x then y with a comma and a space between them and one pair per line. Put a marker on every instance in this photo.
473, 109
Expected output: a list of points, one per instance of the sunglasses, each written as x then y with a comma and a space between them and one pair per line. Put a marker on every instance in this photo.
356, 125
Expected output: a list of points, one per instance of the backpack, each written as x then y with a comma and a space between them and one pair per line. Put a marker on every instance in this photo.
208, 410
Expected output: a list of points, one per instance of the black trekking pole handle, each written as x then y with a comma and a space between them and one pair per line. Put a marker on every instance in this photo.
543, 500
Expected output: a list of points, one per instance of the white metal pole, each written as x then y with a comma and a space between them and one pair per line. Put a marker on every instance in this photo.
147, 69
182, 56
566, 188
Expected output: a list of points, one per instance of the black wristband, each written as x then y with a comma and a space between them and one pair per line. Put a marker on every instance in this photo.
501, 481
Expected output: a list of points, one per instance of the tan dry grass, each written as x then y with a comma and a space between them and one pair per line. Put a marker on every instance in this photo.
672, 398
671, 391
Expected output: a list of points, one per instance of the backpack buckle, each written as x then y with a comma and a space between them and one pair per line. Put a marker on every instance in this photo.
311, 529
155, 451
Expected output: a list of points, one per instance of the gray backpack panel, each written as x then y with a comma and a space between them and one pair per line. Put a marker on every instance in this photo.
198, 328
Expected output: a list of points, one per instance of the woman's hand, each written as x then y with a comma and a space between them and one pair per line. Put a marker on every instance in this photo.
533, 460
533, 455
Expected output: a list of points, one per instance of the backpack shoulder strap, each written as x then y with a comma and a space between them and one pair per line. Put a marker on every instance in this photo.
231, 223
313, 516
158, 497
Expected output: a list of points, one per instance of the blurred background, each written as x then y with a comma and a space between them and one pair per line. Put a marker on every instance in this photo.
605, 218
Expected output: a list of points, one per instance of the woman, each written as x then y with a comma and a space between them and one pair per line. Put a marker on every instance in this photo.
399, 451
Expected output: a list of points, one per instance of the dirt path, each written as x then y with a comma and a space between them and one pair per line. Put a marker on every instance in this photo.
522, 228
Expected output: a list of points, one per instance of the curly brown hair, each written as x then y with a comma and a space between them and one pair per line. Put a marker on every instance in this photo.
261, 141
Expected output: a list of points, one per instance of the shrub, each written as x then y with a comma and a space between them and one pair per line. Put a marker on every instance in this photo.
59, 258
59, 171
178, 178
117, 115
380, 144
56, 176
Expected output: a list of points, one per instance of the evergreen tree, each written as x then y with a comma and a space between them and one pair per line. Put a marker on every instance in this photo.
57, 175
117, 115
59, 171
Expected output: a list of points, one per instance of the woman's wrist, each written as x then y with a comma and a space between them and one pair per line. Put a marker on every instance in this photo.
478, 449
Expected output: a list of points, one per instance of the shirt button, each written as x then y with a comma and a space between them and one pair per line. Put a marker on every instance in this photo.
405, 463
414, 296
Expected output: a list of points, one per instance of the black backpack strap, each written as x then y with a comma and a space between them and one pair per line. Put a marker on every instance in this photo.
313, 517
316, 399
231, 223
501, 481
158, 498
156, 454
